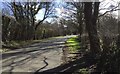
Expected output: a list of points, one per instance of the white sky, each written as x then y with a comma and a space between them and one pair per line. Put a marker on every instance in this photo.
40, 14
107, 3
104, 4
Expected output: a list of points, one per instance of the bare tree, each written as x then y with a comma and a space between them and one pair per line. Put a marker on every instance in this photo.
77, 9
25, 13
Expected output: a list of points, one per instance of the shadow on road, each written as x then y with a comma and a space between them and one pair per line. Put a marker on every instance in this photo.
32, 55
84, 62
46, 64
42, 47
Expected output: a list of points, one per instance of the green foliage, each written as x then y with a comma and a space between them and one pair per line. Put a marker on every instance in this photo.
73, 44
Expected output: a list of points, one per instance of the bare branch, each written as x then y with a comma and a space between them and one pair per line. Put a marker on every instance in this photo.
48, 11
114, 9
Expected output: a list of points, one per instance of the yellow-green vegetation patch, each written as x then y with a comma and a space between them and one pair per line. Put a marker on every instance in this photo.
84, 71
3, 50
73, 44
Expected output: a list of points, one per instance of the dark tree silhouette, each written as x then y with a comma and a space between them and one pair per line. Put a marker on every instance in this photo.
91, 25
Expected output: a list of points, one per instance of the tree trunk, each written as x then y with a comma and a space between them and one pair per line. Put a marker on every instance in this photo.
118, 41
90, 20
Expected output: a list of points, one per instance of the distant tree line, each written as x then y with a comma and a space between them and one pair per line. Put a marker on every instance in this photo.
21, 23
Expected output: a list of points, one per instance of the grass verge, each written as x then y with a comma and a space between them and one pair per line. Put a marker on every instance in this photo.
73, 44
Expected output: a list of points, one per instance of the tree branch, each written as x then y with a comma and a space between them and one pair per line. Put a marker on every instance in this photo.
108, 12
114, 9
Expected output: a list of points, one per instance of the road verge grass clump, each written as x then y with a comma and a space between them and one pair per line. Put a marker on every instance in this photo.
73, 44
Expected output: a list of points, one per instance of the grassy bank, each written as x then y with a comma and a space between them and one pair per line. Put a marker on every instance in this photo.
73, 44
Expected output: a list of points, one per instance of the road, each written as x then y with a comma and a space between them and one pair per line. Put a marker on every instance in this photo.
37, 57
